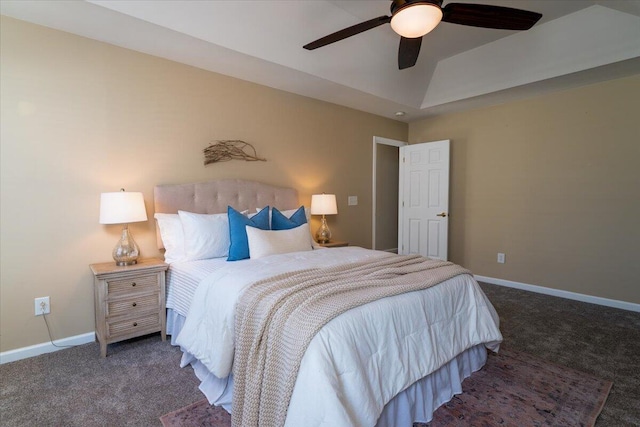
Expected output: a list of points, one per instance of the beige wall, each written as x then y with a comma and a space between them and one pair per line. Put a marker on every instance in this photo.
81, 117
553, 182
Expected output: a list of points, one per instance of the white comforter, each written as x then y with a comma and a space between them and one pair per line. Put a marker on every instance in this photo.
360, 360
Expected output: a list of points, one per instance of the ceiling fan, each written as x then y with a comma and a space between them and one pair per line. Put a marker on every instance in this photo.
412, 19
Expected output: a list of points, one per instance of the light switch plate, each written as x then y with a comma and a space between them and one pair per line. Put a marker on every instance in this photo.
353, 201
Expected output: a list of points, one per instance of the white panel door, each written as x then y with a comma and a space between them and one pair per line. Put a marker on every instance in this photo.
423, 216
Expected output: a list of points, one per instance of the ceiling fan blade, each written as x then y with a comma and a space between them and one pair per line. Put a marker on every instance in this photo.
348, 32
408, 52
486, 16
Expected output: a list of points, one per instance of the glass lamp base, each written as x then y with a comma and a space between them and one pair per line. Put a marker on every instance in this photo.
126, 251
323, 235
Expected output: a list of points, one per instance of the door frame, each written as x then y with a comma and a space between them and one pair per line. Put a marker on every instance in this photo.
384, 141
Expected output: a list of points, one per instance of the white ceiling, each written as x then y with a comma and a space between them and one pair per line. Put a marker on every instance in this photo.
576, 42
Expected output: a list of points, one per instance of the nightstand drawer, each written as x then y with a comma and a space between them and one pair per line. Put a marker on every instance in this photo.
134, 284
137, 304
133, 326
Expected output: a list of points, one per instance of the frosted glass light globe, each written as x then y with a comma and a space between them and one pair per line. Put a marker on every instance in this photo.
416, 20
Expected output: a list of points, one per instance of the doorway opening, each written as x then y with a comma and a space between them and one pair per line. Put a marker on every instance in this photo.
384, 232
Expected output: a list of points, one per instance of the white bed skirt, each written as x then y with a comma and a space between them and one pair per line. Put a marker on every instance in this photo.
415, 404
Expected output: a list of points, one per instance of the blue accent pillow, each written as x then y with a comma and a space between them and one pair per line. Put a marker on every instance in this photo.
239, 247
280, 222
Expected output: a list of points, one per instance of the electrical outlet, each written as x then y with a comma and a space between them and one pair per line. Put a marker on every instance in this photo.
500, 258
352, 201
43, 306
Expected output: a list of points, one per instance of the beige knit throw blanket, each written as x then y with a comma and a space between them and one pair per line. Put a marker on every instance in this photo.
276, 319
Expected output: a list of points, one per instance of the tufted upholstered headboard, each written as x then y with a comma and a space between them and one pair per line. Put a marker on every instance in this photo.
213, 197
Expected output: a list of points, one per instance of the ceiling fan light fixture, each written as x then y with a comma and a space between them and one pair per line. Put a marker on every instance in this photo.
416, 20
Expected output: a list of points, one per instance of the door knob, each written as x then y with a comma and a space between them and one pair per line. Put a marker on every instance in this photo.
443, 214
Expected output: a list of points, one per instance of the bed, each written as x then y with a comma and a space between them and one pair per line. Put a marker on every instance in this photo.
389, 362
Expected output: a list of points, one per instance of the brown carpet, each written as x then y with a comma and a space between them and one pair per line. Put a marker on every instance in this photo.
513, 389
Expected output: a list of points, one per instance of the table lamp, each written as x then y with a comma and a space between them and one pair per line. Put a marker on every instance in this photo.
323, 204
123, 207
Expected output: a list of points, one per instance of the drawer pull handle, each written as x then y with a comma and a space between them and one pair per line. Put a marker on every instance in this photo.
134, 304
135, 323
133, 284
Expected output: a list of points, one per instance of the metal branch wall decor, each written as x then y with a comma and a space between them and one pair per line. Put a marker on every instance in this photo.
233, 149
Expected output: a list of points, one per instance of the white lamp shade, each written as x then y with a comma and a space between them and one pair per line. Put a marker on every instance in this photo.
122, 207
324, 204
416, 20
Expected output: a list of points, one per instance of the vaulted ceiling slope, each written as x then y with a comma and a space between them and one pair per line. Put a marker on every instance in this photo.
576, 42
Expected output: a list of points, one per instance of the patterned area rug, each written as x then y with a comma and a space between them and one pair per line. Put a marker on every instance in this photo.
512, 389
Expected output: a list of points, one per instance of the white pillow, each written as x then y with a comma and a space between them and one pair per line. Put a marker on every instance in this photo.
269, 242
205, 236
172, 236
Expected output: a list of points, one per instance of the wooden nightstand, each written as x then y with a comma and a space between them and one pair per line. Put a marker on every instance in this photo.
334, 244
129, 301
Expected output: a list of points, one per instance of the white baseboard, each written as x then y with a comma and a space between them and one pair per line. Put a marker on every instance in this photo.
624, 305
47, 347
